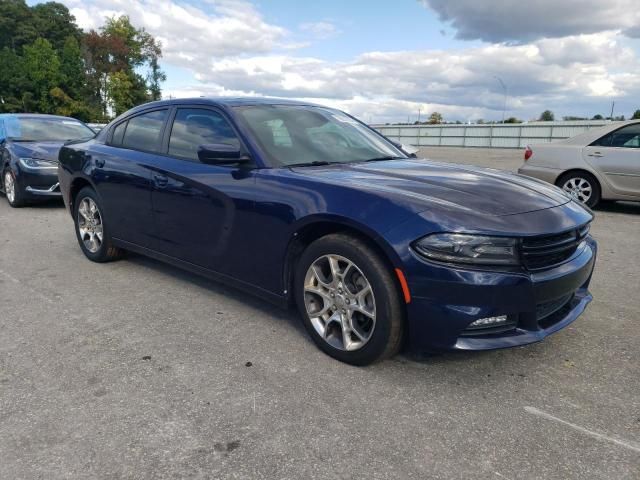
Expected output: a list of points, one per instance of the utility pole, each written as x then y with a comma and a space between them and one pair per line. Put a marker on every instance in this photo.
613, 104
418, 114
504, 87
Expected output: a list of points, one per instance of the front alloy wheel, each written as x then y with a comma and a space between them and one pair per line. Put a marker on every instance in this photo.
340, 303
11, 189
349, 299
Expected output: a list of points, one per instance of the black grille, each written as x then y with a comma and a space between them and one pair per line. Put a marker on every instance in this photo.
549, 250
550, 313
543, 310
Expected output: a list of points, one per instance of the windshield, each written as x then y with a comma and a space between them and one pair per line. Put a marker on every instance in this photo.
305, 135
41, 129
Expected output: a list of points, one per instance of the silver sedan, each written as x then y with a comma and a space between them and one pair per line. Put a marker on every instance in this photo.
600, 164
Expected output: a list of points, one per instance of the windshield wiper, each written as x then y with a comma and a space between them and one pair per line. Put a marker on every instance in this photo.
316, 163
382, 159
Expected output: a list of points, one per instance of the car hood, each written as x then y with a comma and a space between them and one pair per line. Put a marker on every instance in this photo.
42, 150
481, 190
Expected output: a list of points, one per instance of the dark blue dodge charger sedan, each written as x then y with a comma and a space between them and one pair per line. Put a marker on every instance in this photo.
302, 204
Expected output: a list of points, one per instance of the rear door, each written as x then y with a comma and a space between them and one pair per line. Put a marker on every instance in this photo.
122, 175
203, 213
617, 157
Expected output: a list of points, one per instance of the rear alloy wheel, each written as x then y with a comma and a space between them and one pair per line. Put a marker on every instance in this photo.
12, 190
91, 230
349, 300
582, 186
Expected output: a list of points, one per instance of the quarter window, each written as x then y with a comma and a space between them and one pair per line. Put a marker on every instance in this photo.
143, 132
118, 134
193, 127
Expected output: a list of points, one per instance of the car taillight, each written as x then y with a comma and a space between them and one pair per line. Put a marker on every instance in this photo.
527, 153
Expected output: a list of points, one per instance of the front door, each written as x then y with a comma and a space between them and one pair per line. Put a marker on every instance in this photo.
202, 213
617, 157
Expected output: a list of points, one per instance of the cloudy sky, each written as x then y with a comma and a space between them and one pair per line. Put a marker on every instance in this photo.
384, 61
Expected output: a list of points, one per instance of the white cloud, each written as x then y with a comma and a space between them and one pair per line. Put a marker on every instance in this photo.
189, 34
320, 30
232, 50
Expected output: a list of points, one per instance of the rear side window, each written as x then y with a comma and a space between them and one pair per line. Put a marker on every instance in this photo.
193, 127
144, 132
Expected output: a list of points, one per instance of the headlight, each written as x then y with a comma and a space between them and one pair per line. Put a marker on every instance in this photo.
38, 163
470, 249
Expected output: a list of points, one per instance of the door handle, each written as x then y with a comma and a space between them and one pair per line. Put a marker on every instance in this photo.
595, 154
160, 180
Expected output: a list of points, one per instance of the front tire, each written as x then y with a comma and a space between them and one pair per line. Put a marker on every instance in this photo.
349, 300
91, 230
582, 186
12, 190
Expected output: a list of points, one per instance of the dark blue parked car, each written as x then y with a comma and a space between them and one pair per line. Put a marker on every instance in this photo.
303, 204
29, 146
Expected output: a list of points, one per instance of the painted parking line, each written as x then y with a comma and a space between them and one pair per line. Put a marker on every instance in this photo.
623, 443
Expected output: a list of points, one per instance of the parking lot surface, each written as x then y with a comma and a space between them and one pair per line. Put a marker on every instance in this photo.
135, 369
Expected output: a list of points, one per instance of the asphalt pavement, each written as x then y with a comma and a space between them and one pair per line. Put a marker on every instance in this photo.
137, 370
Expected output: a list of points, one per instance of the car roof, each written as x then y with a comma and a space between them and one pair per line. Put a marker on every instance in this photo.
226, 101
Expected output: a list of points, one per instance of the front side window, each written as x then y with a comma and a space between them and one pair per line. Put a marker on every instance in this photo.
304, 135
47, 129
144, 132
193, 127
626, 137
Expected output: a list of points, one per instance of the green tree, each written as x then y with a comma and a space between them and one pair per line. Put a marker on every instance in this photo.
72, 72
547, 116
636, 115
435, 118
42, 67
121, 92
598, 117
12, 81
17, 27
54, 22
512, 120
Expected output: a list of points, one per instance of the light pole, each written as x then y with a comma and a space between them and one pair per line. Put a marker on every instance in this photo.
504, 87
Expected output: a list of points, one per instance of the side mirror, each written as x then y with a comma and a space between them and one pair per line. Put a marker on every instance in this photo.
221, 154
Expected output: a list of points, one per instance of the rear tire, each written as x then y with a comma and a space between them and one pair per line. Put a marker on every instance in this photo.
15, 196
582, 186
92, 231
349, 300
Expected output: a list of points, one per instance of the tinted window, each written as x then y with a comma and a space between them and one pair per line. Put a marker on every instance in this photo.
293, 134
47, 128
144, 131
118, 134
193, 127
627, 137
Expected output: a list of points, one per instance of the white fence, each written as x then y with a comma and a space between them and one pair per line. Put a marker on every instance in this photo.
506, 135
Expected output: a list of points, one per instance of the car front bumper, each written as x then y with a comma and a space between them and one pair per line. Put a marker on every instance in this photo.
39, 184
446, 301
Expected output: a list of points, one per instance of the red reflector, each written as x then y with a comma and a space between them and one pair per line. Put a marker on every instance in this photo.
404, 286
527, 153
